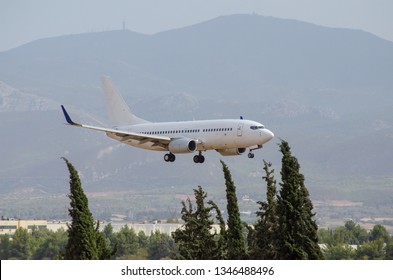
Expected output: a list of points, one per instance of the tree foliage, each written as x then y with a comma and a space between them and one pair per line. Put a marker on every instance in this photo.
339, 252
298, 237
48, 244
264, 240
5, 246
379, 232
221, 238
127, 242
85, 241
195, 240
351, 241
234, 235
159, 246
21, 248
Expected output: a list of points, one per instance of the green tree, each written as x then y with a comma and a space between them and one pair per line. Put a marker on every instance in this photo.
51, 244
234, 234
372, 250
111, 236
264, 240
298, 237
341, 235
85, 241
325, 236
338, 236
221, 238
379, 232
127, 242
355, 234
21, 245
160, 246
5, 246
339, 252
389, 249
143, 239
195, 240
103, 244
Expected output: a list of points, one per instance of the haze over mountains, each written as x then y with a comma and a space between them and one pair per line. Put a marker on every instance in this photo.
328, 91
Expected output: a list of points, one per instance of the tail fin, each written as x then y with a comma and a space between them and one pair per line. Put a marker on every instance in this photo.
118, 111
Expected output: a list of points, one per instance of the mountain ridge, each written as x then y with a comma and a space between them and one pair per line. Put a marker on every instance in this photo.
267, 45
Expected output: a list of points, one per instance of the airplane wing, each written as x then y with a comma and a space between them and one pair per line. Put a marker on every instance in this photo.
123, 136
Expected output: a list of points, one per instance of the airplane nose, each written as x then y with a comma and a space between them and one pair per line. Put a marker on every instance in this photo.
268, 134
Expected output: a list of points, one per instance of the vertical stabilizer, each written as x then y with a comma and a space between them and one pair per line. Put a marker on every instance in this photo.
118, 111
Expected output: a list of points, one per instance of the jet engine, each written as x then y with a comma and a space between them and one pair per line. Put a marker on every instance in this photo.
182, 146
232, 151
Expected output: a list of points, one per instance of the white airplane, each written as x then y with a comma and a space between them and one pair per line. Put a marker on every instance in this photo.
229, 137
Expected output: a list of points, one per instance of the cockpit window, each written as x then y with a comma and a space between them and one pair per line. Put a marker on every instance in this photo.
254, 127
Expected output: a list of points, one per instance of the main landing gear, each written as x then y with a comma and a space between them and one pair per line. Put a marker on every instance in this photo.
251, 154
199, 158
169, 157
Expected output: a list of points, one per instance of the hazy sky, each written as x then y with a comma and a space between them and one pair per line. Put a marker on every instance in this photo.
22, 21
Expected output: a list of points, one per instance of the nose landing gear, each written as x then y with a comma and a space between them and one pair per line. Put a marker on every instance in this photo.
251, 154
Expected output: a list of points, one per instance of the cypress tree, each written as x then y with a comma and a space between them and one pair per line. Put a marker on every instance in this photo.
222, 244
266, 229
195, 240
298, 237
81, 243
184, 236
234, 234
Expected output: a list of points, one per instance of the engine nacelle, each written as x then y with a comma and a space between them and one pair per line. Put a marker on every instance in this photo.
232, 151
182, 146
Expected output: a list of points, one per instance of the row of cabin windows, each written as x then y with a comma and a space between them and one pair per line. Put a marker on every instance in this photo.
217, 129
186, 131
7, 227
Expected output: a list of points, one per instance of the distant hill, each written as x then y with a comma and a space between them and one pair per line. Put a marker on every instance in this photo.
328, 91
224, 56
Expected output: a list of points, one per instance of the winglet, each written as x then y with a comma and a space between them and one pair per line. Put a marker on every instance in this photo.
67, 117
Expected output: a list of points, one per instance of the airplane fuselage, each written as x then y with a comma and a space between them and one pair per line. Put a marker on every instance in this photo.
211, 134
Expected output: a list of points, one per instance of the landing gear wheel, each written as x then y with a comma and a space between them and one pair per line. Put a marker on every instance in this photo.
199, 158
169, 157
251, 154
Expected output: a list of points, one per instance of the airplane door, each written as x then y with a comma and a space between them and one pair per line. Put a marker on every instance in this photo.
240, 129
